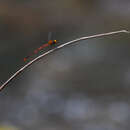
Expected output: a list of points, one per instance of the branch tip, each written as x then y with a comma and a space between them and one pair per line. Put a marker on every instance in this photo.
125, 31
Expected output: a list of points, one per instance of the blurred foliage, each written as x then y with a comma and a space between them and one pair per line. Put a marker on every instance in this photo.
7, 128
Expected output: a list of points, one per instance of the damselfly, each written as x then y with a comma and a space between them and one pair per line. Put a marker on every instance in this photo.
50, 42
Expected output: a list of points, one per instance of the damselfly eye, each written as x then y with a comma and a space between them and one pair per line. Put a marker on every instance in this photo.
55, 41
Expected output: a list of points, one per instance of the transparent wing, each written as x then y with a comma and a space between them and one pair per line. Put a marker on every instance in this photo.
49, 36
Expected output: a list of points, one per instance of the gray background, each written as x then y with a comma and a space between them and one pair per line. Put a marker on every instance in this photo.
85, 86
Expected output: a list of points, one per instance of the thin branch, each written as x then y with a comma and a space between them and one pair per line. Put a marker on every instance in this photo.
54, 49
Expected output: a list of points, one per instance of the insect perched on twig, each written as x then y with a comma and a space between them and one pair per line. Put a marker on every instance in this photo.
50, 42
56, 48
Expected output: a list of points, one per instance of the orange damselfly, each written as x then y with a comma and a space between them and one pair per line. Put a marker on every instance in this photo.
50, 42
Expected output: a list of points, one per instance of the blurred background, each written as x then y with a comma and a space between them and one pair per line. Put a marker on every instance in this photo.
85, 86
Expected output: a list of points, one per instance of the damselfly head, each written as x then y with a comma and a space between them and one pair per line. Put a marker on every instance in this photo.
54, 41
51, 42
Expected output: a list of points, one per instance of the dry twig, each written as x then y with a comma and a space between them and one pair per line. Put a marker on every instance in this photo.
54, 49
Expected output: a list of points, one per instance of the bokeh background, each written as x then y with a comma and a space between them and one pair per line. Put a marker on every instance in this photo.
85, 86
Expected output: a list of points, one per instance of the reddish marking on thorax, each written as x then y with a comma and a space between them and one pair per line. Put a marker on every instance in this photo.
25, 59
